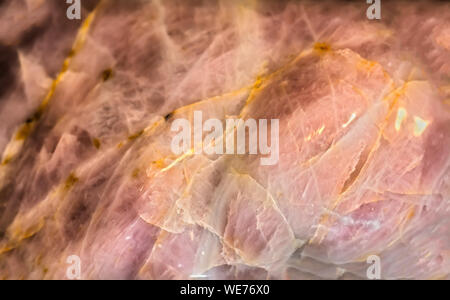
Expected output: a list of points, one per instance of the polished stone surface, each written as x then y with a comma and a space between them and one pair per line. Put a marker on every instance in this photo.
86, 109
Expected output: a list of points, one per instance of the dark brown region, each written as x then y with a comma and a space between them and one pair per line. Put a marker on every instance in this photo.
9, 63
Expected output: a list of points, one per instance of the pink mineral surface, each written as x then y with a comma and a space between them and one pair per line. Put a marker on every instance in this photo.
86, 108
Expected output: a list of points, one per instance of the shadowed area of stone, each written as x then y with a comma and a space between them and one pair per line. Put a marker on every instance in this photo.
86, 108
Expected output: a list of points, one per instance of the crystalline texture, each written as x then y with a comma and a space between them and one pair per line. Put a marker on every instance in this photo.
86, 109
